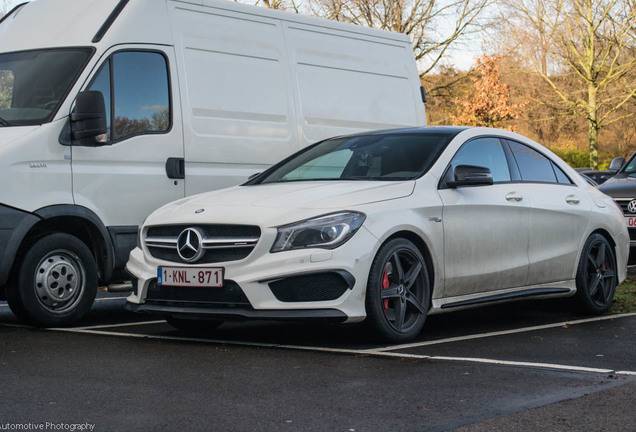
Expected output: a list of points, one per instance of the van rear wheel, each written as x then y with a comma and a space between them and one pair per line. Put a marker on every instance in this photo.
56, 282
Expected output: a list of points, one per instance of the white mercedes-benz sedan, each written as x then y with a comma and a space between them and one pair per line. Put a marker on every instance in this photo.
386, 227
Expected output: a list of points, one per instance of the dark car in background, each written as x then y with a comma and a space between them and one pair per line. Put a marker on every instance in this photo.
596, 176
622, 187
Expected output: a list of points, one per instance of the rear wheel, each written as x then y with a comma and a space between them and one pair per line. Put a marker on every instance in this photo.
194, 326
596, 276
56, 282
398, 291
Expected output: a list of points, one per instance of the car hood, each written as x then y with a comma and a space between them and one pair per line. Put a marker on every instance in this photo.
279, 203
620, 186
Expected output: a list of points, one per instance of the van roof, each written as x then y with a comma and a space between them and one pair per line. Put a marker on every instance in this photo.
71, 23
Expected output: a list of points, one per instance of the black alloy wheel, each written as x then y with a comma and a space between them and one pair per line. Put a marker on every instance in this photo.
398, 291
596, 277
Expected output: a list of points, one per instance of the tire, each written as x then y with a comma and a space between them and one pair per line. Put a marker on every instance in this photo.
56, 282
596, 276
398, 292
194, 326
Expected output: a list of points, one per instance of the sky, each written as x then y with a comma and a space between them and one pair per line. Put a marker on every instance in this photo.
462, 57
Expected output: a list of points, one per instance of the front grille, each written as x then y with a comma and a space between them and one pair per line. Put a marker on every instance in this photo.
632, 234
229, 296
624, 202
309, 288
221, 243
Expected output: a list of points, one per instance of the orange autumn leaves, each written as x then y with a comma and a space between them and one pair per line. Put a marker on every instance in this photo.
490, 105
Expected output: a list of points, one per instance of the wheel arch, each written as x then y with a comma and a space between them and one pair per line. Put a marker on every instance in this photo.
79, 222
424, 250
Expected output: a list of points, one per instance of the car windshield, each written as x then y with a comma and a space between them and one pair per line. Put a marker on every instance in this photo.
631, 166
385, 156
34, 83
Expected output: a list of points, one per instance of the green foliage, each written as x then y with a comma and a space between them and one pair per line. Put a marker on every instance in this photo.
6, 89
575, 158
625, 297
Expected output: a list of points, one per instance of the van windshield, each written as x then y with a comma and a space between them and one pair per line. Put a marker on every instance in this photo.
384, 157
33, 84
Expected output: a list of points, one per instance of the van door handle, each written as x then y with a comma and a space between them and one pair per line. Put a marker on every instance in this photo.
572, 199
175, 168
514, 196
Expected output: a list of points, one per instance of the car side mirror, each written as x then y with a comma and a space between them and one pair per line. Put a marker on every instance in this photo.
470, 175
617, 164
88, 120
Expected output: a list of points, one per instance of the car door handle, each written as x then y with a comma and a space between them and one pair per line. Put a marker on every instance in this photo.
572, 199
514, 196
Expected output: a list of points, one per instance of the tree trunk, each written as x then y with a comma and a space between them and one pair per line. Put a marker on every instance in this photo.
592, 125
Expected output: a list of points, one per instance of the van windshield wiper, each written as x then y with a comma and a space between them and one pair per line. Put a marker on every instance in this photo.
3, 122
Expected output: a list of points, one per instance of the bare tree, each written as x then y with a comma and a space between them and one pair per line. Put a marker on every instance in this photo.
588, 43
433, 25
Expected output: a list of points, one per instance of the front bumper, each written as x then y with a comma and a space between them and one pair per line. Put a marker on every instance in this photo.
14, 226
261, 285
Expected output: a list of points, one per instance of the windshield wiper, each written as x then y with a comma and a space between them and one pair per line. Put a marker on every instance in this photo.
4, 123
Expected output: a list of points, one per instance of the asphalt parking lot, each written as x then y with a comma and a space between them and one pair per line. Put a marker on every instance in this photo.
521, 366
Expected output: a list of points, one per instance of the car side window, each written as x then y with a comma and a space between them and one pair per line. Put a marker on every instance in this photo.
484, 152
562, 178
534, 167
137, 94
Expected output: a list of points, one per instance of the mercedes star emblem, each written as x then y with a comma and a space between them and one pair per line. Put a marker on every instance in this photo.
631, 207
190, 245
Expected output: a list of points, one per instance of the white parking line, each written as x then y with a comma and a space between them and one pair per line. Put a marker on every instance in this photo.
552, 366
497, 333
136, 323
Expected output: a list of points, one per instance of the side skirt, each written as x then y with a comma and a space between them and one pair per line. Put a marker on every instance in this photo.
557, 289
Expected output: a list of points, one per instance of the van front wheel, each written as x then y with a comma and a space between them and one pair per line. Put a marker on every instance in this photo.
56, 282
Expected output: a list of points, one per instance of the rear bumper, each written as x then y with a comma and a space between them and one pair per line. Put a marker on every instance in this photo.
14, 226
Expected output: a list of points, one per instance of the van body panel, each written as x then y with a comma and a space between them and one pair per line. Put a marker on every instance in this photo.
36, 169
245, 87
123, 182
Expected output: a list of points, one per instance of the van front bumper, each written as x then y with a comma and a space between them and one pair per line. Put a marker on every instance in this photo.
14, 226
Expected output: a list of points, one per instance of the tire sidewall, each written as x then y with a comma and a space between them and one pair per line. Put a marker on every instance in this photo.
26, 296
376, 317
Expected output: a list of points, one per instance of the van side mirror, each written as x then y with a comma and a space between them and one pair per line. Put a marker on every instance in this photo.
470, 175
617, 163
88, 121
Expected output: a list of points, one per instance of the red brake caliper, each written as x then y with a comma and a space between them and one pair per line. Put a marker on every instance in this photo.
385, 285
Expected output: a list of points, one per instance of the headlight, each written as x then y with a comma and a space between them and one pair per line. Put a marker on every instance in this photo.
327, 232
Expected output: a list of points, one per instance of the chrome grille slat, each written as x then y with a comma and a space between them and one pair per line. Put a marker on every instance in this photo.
220, 243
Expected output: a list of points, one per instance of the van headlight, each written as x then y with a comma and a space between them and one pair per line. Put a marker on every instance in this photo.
326, 232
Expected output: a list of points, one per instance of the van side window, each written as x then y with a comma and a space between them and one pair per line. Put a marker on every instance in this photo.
137, 83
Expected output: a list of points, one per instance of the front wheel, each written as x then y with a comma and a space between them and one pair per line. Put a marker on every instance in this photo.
398, 291
596, 276
56, 282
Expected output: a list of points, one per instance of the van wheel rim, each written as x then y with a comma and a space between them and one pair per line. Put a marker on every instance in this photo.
59, 281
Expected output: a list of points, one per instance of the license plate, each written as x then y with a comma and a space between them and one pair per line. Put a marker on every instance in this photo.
190, 276
631, 221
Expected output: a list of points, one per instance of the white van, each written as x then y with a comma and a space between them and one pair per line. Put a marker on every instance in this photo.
111, 108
